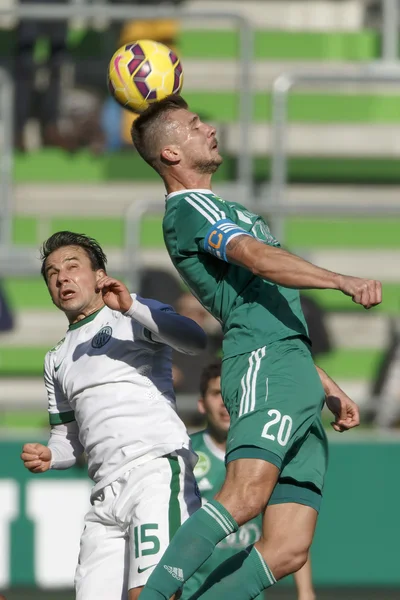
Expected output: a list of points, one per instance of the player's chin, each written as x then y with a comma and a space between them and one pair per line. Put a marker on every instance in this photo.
71, 304
222, 426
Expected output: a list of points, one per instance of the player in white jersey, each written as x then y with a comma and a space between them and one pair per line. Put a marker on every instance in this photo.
110, 394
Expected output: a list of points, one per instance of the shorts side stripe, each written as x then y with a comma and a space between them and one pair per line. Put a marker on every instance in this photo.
243, 384
174, 509
259, 355
246, 400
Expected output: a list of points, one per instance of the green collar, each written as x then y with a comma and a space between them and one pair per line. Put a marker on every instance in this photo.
85, 320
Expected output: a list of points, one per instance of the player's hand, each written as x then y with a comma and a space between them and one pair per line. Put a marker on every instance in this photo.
36, 457
115, 294
366, 292
345, 411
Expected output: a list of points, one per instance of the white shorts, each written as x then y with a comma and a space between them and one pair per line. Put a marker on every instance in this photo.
130, 525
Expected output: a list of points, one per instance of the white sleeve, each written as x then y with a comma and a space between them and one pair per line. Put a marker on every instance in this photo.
65, 445
166, 326
59, 408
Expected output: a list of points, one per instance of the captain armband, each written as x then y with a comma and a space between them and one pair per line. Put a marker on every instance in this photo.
219, 235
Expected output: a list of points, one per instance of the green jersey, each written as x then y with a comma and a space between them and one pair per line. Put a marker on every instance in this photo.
210, 475
253, 312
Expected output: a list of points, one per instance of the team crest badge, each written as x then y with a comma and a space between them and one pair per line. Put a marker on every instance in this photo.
203, 465
101, 338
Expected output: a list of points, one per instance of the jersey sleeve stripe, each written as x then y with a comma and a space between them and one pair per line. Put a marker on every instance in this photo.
60, 418
200, 210
214, 213
213, 205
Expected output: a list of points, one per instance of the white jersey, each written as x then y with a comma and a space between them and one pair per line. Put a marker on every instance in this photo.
110, 377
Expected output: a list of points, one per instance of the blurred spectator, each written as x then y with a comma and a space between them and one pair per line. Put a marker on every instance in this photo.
187, 369
315, 318
156, 283
27, 34
386, 384
79, 120
6, 317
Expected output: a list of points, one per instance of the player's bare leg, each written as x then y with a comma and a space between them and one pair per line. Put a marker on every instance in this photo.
288, 530
304, 584
283, 548
247, 488
244, 495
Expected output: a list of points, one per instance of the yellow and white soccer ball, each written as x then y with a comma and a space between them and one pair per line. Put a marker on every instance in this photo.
144, 72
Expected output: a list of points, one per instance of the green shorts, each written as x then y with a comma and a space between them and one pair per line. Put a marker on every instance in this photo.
274, 397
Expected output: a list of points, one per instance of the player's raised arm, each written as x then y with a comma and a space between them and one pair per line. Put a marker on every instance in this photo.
286, 269
163, 323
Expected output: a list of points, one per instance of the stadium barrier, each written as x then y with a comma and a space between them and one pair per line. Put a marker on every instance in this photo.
356, 542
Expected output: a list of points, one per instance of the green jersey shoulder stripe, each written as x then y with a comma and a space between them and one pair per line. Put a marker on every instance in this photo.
205, 214
206, 207
212, 205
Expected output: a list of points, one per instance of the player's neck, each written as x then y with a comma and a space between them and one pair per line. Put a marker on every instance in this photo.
188, 181
217, 439
85, 312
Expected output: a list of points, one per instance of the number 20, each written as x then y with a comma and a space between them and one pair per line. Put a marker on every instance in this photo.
284, 430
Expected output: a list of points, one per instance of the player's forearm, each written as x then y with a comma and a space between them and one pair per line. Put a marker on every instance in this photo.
291, 271
177, 331
65, 446
330, 387
279, 266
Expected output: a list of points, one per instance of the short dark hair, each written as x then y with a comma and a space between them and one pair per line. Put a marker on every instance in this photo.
60, 239
212, 371
146, 128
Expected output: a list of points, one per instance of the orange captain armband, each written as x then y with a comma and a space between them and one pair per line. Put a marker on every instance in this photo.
219, 235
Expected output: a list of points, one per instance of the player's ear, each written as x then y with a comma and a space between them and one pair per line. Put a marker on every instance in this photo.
170, 155
200, 406
100, 273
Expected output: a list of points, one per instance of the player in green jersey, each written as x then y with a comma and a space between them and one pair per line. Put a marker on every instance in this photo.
210, 446
276, 447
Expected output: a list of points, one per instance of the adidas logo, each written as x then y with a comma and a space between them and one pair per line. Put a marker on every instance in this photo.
205, 485
175, 572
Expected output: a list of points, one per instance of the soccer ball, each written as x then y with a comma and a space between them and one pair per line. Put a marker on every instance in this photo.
144, 72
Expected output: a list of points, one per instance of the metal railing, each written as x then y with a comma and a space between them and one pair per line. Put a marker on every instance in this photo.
276, 204
390, 30
6, 157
